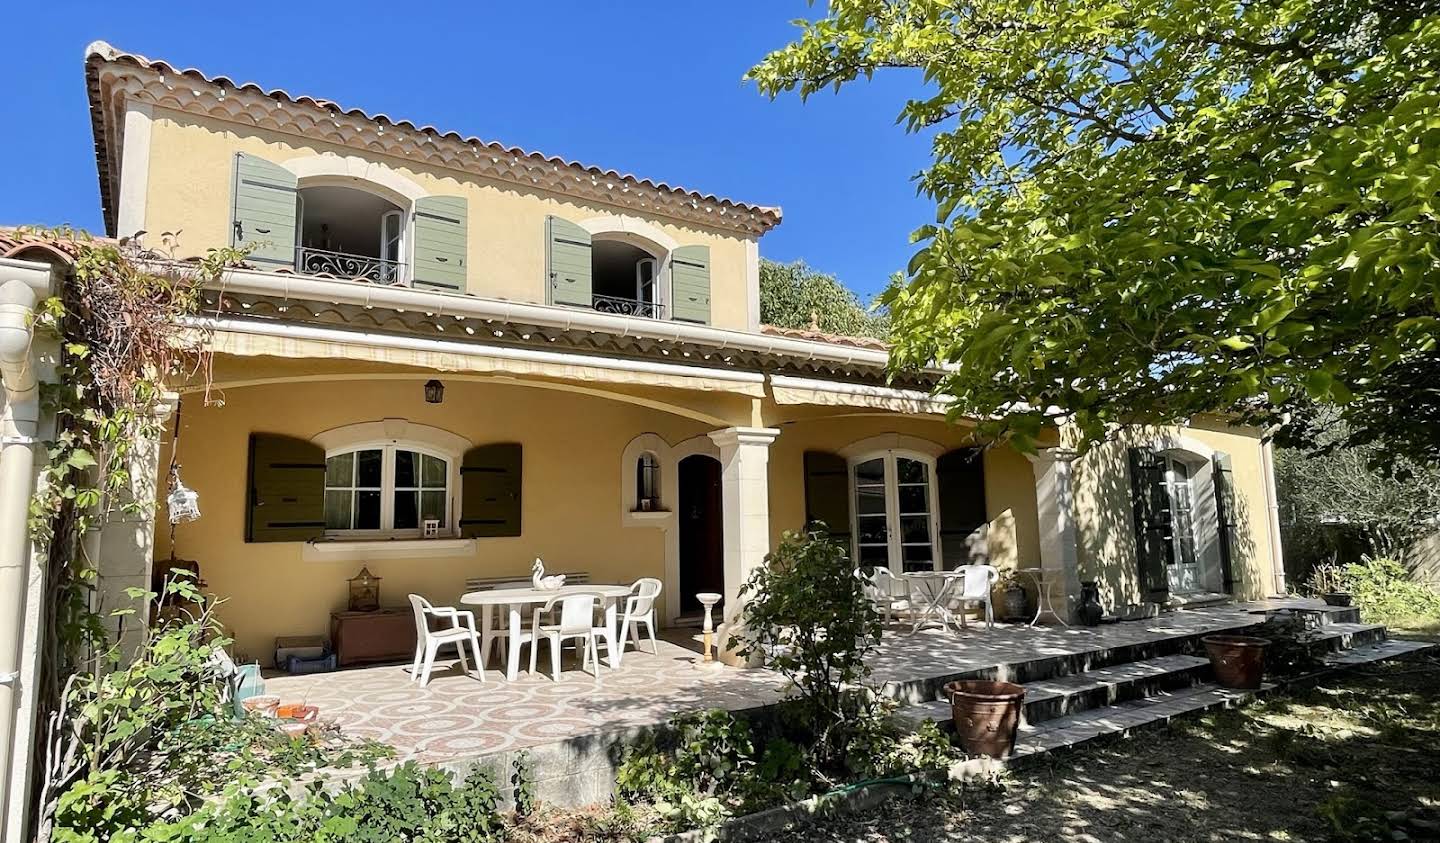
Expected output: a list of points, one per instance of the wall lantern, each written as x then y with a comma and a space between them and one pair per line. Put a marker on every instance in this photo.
434, 392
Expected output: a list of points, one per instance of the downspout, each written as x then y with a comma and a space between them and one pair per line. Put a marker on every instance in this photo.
1272, 507
21, 285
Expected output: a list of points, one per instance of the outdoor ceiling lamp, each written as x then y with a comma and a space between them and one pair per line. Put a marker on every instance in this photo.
434, 392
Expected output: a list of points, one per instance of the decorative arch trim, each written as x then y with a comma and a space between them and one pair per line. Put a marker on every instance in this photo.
1184, 447
391, 431
631, 230
892, 442
342, 170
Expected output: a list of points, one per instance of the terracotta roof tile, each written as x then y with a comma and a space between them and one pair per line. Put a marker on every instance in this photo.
821, 336
100, 52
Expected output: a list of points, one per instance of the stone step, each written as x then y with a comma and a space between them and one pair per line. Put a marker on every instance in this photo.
1072, 730
1042, 666
1337, 637
1047, 699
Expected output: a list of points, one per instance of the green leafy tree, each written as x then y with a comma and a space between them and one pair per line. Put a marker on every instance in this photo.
792, 295
1149, 209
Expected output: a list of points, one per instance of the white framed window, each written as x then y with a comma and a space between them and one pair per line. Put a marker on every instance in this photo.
1183, 557
388, 489
894, 511
647, 483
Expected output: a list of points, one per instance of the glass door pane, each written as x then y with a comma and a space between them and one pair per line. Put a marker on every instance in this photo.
872, 523
912, 495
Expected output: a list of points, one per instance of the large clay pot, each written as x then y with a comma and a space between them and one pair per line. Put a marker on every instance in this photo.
1338, 599
1238, 660
986, 715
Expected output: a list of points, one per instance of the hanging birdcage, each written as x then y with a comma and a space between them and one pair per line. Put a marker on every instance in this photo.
183, 503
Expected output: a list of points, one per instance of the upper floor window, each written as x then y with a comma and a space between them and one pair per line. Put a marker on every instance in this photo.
623, 278
388, 489
895, 511
350, 234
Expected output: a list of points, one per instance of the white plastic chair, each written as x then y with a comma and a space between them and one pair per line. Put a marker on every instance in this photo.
577, 621
889, 593
428, 642
640, 608
975, 587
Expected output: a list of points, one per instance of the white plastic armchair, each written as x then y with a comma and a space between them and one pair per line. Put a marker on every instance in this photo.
640, 608
429, 641
576, 621
976, 586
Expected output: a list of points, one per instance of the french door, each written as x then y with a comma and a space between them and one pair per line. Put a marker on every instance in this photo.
894, 509
1182, 558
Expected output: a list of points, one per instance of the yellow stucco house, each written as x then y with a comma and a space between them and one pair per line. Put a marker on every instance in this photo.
448, 357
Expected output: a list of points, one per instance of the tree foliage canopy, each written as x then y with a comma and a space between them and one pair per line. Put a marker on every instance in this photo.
793, 295
1148, 209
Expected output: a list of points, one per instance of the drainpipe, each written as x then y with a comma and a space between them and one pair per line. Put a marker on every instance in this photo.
22, 283
1272, 506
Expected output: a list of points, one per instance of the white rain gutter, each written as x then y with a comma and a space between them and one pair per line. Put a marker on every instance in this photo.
465, 349
301, 287
22, 285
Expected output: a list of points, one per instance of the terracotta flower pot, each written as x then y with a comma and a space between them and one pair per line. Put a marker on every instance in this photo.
298, 712
1238, 660
986, 715
261, 704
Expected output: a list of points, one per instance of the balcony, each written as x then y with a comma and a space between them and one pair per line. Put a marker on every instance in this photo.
627, 307
351, 267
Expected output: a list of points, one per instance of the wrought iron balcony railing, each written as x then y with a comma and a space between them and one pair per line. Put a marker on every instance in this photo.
350, 267
627, 307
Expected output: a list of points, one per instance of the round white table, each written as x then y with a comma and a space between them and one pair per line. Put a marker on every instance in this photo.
515, 598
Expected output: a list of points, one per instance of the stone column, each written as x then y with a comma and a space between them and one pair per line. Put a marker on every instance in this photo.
1059, 547
745, 501
126, 542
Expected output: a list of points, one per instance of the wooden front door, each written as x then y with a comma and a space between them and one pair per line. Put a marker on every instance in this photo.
702, 561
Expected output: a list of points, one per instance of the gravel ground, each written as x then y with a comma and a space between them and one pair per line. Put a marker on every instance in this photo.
1365, 743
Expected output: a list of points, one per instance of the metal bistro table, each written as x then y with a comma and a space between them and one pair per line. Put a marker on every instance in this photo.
933, 590
515, 598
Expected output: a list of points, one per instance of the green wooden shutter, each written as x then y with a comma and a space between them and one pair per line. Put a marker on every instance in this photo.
1152, 532
690, 284
964, 521
1223, 475
827, 494
440, 223
490, 483
287, 489
264, 211
567, 263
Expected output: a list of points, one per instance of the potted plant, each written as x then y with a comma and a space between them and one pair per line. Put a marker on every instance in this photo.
1015, 598
1330, 582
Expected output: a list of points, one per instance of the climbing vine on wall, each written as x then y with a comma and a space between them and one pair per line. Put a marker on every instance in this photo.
120, 323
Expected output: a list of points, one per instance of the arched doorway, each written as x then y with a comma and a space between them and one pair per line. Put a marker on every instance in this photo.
702, 559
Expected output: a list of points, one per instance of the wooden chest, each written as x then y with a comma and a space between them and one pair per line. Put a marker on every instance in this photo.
384, 635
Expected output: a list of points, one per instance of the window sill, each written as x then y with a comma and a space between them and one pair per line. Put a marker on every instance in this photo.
340, 550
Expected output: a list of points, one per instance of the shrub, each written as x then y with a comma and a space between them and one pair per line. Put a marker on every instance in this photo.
806, 614
1386, 594
406, 805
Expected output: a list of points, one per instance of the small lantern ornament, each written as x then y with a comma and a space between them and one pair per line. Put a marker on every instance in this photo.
364, 591
183, 503
434, 392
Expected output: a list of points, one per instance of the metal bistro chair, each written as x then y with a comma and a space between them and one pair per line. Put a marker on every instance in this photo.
576, 621
428, 642
889, 593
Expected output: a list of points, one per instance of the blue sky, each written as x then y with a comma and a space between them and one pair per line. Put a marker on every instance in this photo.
650, 87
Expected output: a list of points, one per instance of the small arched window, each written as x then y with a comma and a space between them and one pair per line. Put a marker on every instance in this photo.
647, 483
389, 489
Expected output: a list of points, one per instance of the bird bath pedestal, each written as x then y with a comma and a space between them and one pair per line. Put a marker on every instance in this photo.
708, 599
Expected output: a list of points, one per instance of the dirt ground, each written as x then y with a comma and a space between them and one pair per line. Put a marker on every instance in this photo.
1310, 765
